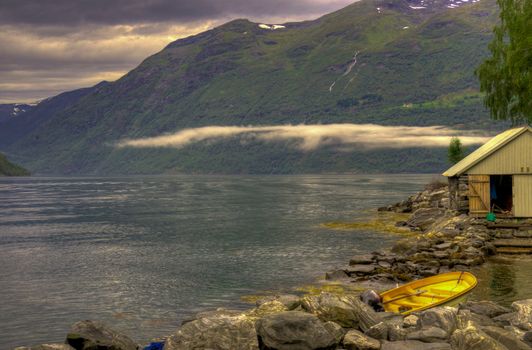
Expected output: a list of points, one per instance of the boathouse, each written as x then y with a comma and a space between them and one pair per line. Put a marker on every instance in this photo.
498, 176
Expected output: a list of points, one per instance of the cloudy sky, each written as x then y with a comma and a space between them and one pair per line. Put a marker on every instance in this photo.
50, 46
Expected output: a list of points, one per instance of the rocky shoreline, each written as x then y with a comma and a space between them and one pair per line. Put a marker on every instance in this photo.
444, 241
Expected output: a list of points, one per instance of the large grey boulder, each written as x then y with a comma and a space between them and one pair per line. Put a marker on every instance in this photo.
440, 317
486, 308
346, 310
413, 345
472, 338
296, 330
46, 347
505, 337
522, 317
424, 218
90, 335
217, 330
356, 340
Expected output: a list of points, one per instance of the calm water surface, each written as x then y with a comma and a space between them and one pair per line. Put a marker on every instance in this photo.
144, 253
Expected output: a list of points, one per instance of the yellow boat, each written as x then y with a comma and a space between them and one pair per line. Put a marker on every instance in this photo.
444, 289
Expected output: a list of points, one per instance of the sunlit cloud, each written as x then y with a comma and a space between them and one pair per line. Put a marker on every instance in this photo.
311, 137
39, 64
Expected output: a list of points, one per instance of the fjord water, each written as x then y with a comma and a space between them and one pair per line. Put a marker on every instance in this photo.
145, 253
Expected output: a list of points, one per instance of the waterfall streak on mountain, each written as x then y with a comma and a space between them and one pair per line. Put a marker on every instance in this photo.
347, 71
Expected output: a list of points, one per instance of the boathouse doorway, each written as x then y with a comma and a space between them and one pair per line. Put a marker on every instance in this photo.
501, 194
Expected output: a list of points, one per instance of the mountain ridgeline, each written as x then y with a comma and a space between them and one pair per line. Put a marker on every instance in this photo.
392, 62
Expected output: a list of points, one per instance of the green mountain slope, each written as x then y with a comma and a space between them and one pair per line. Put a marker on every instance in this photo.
9, 169
413, 67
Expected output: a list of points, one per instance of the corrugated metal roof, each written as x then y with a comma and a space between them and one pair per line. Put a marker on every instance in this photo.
485, 150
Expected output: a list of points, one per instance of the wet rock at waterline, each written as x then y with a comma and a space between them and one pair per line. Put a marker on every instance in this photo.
89, 335
218, 330
290, 301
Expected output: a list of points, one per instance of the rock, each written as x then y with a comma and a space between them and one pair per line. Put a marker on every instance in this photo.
356, 340
361, 260
421, 257
506, 338
427, 272
397, 332
267, 308
361, 269
472, 338
486, 308
504, 319
336, 330
425, 217
523, 314
413, 345
429, 335
518, 332
215, 331
481, 320
46, 347
444, 246
378, 331
384, 264
291, 301
294, 330
336, 275
403, 246
346, 310
441, 254
88, 335
527, 338
441, 317
410, 321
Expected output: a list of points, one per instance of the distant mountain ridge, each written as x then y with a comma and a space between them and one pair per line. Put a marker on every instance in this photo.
12, 110
20, 120
391, 62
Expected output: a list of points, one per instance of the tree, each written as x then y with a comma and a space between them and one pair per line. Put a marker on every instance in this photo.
506, 76
455, 152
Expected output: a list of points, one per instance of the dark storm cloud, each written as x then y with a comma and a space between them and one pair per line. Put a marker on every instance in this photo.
111, 12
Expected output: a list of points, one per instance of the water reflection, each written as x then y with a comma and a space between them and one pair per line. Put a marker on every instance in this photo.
504, 280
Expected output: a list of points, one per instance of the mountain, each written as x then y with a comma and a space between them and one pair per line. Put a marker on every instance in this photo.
389, 62
9, 169
13, 110
26, 118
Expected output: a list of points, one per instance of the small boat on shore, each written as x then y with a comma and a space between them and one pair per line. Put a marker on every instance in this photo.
446, 289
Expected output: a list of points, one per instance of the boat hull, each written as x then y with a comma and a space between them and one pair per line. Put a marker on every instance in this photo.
446, 289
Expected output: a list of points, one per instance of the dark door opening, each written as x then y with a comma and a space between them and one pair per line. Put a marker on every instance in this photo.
501, 187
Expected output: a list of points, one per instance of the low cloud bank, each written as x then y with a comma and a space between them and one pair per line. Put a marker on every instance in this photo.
311, 137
